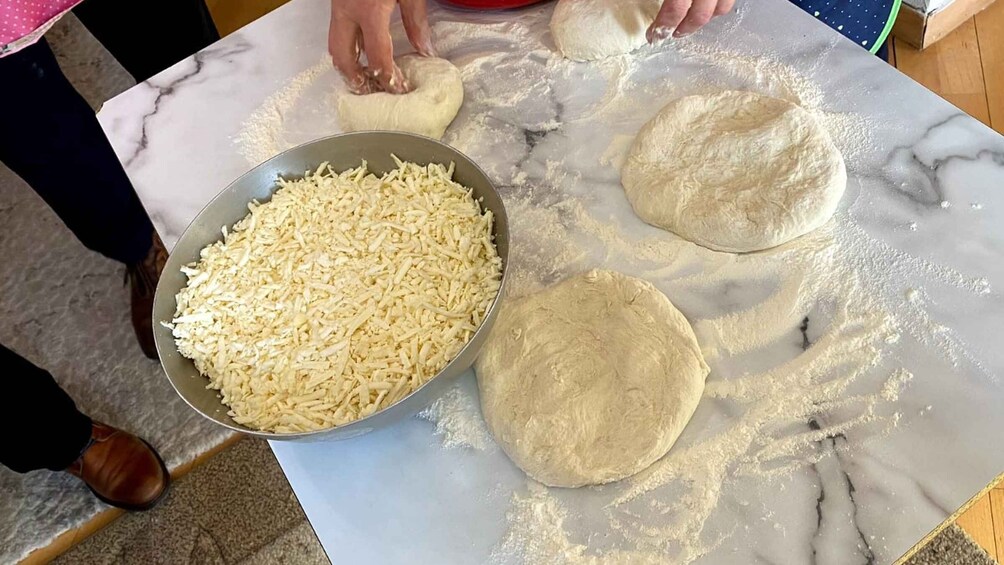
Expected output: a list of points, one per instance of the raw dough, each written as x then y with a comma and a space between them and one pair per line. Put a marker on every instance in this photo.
427, 110
591, 380
586, 30
734, 171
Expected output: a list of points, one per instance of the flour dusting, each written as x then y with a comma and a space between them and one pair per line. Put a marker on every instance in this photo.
840, 285
266, 132
458, 420
833, 306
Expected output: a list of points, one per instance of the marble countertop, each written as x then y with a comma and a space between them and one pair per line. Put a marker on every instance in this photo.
855, 395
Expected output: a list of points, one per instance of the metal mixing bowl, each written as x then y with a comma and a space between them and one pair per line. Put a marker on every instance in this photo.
343, 152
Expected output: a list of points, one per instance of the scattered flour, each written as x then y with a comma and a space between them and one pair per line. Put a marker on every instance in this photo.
616, 152
783, 413
261, 135
458, 420
850, 294
537, 534
829, 389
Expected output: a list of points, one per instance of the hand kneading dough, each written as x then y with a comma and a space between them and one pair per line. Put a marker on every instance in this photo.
586, 30
591, 380
426, 110
734, 171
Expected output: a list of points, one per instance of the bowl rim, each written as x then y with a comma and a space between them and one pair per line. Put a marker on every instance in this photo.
490, 313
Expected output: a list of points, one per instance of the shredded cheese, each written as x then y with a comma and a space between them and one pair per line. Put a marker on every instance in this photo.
340, 296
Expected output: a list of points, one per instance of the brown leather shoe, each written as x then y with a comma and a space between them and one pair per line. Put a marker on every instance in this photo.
143, 278
121, 469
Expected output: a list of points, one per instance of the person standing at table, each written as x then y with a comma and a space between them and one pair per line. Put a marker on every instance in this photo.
363, 26
51, 138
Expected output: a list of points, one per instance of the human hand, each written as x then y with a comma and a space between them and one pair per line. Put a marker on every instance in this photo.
683, 17
359, 26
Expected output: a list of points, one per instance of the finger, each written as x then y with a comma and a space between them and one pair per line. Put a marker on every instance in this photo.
371, 85
724, 7
344, 50
379, 49
700, 13
416, 25
670, 15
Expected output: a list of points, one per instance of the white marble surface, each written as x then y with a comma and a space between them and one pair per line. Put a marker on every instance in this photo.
906, 277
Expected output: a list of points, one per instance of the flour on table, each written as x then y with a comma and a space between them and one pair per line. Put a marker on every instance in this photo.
458, 420
834, 298
859, 280
847, 284
615, 153
262, 135
537, 534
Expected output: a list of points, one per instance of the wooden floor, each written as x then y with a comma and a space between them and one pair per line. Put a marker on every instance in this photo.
966, 68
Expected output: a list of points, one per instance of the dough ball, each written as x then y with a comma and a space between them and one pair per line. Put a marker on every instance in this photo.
591, 380
427, 110
586, 30
734, 171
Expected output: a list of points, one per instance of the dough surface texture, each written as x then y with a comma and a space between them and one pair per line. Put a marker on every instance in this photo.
734, 171
586, 30
427, 110
590, 380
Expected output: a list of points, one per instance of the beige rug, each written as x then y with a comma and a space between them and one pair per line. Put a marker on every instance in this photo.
952, 546
236, 508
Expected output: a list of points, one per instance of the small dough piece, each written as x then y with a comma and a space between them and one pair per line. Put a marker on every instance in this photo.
586, 30
734, 171
590, 380
427, 110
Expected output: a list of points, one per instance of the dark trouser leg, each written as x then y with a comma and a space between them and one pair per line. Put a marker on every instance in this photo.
145, 47
51, 138
44, 428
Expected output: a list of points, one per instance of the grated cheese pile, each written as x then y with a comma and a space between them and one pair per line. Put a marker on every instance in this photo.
340, 296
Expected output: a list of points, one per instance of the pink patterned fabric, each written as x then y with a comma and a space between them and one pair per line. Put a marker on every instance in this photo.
22, 22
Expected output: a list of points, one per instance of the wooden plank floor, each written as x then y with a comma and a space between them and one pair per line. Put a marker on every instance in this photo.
967, 69
984, 521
